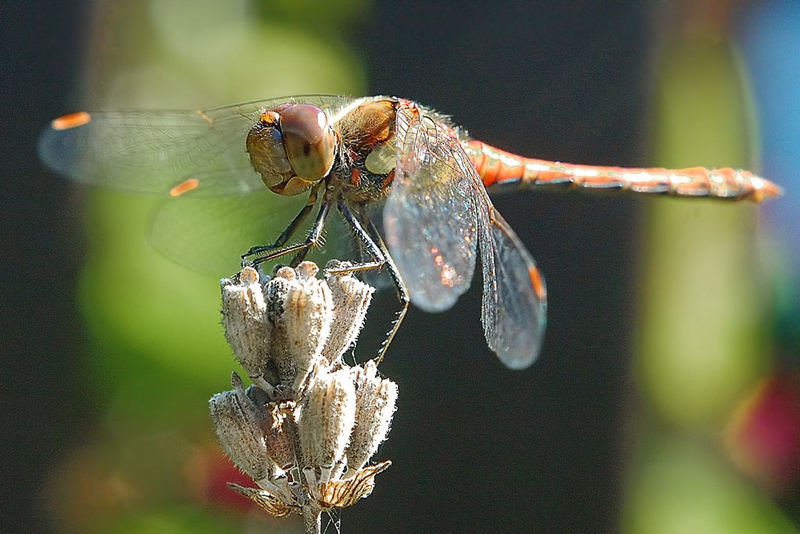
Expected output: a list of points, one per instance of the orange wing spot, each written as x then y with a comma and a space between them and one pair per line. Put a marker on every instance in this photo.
73, 120
205, 117
184, 187
536, 282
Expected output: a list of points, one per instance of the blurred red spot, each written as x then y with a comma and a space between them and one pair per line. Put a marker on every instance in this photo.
764, 434
218, 492
208, 472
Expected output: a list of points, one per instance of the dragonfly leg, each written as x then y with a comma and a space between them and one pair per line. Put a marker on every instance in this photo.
402, 295
288, 231
376, 248
299, 249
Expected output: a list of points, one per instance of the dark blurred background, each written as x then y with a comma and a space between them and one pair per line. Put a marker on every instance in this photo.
666, 398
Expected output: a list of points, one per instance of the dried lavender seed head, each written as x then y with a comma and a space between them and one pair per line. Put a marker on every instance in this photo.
244, 320
238, 430
307, 415
326, 418
351, 299
376, 398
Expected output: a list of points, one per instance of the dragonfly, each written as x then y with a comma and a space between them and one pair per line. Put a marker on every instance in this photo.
363, 158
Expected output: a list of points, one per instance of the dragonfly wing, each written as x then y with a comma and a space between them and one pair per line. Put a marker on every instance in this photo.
514, 310
209, 235
152, 152
199, 152
429, 217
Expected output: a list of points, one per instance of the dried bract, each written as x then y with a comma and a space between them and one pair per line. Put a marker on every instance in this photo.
327, 418
351, 299
375, 404
245, 321
300, 312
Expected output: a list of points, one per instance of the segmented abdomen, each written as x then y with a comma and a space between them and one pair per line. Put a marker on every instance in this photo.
498, 167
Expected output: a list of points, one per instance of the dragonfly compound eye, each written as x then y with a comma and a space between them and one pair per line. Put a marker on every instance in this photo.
309, 141
292, 147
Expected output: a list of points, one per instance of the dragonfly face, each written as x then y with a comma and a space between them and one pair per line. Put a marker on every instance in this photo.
292, 147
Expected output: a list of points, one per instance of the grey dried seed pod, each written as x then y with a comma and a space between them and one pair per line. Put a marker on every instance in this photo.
376, 400
326, 418
245, 321
236, 423
299, 309
351, 299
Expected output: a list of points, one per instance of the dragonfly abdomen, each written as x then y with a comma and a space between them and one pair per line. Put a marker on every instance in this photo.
498, 167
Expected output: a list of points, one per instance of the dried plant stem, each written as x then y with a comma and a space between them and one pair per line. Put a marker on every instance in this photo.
312, 520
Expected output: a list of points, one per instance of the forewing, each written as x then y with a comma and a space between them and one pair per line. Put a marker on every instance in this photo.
429, 217
201, 152
209, 235
514, 310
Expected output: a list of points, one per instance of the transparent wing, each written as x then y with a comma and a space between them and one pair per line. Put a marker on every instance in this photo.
514, 309
158, 151
429, 217
209, 234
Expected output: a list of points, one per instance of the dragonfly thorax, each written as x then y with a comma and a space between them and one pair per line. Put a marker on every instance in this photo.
292, 147
368, 154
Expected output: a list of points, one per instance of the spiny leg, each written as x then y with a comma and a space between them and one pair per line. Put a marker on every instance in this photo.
376, 248
288, 231
300, 248
400, 286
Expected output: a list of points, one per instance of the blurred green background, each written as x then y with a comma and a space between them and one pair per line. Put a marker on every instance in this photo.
667, 397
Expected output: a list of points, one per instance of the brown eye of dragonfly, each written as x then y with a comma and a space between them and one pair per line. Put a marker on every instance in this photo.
309, 140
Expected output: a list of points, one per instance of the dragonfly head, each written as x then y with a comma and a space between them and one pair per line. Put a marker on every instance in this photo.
292, 146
